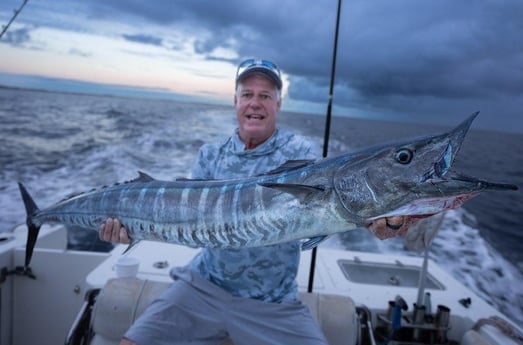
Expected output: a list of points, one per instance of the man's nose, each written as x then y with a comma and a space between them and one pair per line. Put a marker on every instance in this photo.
255, 102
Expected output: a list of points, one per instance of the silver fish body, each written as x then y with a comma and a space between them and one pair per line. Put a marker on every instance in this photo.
228, 214
302, 199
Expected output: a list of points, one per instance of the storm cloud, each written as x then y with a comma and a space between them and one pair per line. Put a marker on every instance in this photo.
429, 61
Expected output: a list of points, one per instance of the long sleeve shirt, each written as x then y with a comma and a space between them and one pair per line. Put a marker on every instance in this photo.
266, 273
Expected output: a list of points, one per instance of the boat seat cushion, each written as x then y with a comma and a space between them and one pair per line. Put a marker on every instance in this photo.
487, 335
472, 337
122, 300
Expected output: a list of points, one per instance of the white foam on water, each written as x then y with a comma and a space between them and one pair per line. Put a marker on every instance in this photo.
460, 250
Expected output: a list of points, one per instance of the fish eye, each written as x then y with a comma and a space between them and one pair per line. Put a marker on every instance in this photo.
404, 156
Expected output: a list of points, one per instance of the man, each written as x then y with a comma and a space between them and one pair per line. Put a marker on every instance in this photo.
247, 294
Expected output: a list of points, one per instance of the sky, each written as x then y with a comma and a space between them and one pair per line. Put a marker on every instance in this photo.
425, 61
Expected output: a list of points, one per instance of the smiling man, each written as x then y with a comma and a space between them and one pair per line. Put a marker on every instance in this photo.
248, 294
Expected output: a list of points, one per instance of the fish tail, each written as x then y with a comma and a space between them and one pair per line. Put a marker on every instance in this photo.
32, 228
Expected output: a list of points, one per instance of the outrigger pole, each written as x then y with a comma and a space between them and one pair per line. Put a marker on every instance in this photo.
15, 14
327, 129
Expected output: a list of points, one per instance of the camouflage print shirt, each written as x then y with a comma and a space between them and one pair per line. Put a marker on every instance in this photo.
265, 273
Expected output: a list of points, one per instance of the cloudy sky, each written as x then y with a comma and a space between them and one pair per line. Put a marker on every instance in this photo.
415, 60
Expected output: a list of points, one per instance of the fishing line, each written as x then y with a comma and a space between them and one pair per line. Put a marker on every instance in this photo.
15, 14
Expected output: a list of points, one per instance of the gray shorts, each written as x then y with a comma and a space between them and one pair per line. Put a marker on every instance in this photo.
193, 310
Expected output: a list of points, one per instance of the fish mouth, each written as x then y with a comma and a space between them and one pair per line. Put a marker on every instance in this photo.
475, 184
426, 207
448, 192
455, 183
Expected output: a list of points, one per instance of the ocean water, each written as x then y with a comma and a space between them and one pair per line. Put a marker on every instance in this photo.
59, 144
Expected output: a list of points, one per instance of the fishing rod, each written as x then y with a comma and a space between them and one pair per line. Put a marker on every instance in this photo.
327, 128
15, 14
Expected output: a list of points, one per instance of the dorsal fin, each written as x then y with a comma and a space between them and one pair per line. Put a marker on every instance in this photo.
142, 177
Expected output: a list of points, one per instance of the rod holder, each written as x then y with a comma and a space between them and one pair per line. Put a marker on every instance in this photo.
442, 323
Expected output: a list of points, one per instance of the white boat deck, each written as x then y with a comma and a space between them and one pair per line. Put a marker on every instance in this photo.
329, 278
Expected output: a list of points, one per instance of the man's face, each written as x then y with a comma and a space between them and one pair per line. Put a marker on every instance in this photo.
257, 104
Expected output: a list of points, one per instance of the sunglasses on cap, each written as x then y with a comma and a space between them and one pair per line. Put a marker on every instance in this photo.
257, 65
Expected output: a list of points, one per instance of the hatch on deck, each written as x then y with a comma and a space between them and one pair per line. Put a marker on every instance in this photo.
398, 274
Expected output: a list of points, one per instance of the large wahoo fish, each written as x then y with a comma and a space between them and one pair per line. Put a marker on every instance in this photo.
300, 200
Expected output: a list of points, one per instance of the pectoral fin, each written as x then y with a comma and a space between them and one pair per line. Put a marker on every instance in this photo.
300, 191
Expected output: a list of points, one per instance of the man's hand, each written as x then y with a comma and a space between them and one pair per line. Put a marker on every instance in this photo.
390, 227
112, 231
